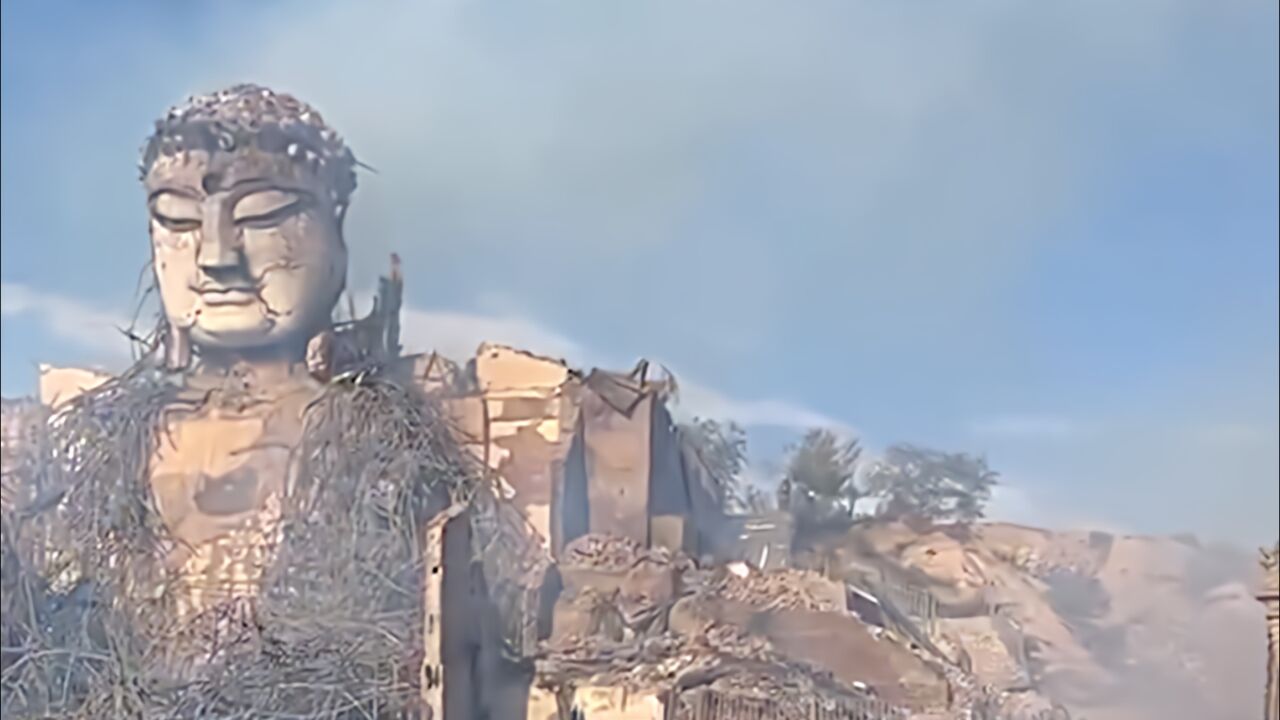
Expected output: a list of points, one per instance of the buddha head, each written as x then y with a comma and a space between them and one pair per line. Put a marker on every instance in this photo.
247, 189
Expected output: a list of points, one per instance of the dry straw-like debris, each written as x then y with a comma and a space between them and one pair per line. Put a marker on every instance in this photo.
335, 630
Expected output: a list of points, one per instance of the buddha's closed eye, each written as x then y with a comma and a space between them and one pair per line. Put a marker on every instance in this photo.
177, 212
268, 208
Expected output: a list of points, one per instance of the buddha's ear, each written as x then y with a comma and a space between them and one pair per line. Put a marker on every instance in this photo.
319, 357
340, 216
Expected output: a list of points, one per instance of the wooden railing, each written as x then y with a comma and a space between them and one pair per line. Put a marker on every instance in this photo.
916, 602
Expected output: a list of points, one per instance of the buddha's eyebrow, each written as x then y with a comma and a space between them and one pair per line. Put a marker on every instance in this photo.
260, 183
246, 181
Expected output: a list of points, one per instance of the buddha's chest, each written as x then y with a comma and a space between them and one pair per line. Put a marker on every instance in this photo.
218, 476
215, 473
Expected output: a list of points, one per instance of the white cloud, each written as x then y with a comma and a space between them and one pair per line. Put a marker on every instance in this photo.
455, 334
71, 320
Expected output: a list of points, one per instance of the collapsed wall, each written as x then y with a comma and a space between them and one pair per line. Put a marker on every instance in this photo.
585, 452
639, 632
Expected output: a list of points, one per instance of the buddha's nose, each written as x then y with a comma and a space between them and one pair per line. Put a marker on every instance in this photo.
220, 247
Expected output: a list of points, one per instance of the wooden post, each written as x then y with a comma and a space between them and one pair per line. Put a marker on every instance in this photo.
433, 605
1270, 598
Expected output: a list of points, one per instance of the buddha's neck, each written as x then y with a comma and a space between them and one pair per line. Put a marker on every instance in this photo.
265, 365
284, 354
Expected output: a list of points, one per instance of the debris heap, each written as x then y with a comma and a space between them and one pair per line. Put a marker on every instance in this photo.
783, 589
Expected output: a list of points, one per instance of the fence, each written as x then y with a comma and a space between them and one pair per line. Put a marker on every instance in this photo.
707, 704
916, 602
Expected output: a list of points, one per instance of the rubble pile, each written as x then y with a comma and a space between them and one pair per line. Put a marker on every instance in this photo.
594, 659
658, 660
778, 590
612, 553
613, 627
698, 643
778, 692
726, 659
615, 588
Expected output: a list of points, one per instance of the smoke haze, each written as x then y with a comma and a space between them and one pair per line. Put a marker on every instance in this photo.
1044, 232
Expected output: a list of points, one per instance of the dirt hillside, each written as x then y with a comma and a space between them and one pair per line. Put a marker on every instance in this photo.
1113, 627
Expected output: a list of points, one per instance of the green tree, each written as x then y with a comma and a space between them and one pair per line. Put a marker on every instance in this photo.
722, 448
919, 482
819, 479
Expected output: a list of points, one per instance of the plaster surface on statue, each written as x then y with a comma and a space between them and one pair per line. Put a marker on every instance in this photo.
247, 249
249, 259
218, 479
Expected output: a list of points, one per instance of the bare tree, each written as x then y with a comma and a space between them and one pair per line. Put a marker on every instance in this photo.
722, 448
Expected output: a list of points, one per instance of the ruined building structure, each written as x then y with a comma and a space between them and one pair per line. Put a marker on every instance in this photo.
1269, 595
586, 452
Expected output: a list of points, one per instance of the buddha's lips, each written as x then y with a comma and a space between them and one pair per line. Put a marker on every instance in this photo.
228, 296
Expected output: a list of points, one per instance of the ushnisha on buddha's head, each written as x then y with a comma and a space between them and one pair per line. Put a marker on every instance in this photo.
247, 189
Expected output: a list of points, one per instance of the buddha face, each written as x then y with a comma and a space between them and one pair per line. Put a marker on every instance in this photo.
247, 248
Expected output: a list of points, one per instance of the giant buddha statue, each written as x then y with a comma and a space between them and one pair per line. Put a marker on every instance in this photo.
237, 525
246, 190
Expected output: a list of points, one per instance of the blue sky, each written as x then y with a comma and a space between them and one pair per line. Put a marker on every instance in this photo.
1043, 231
